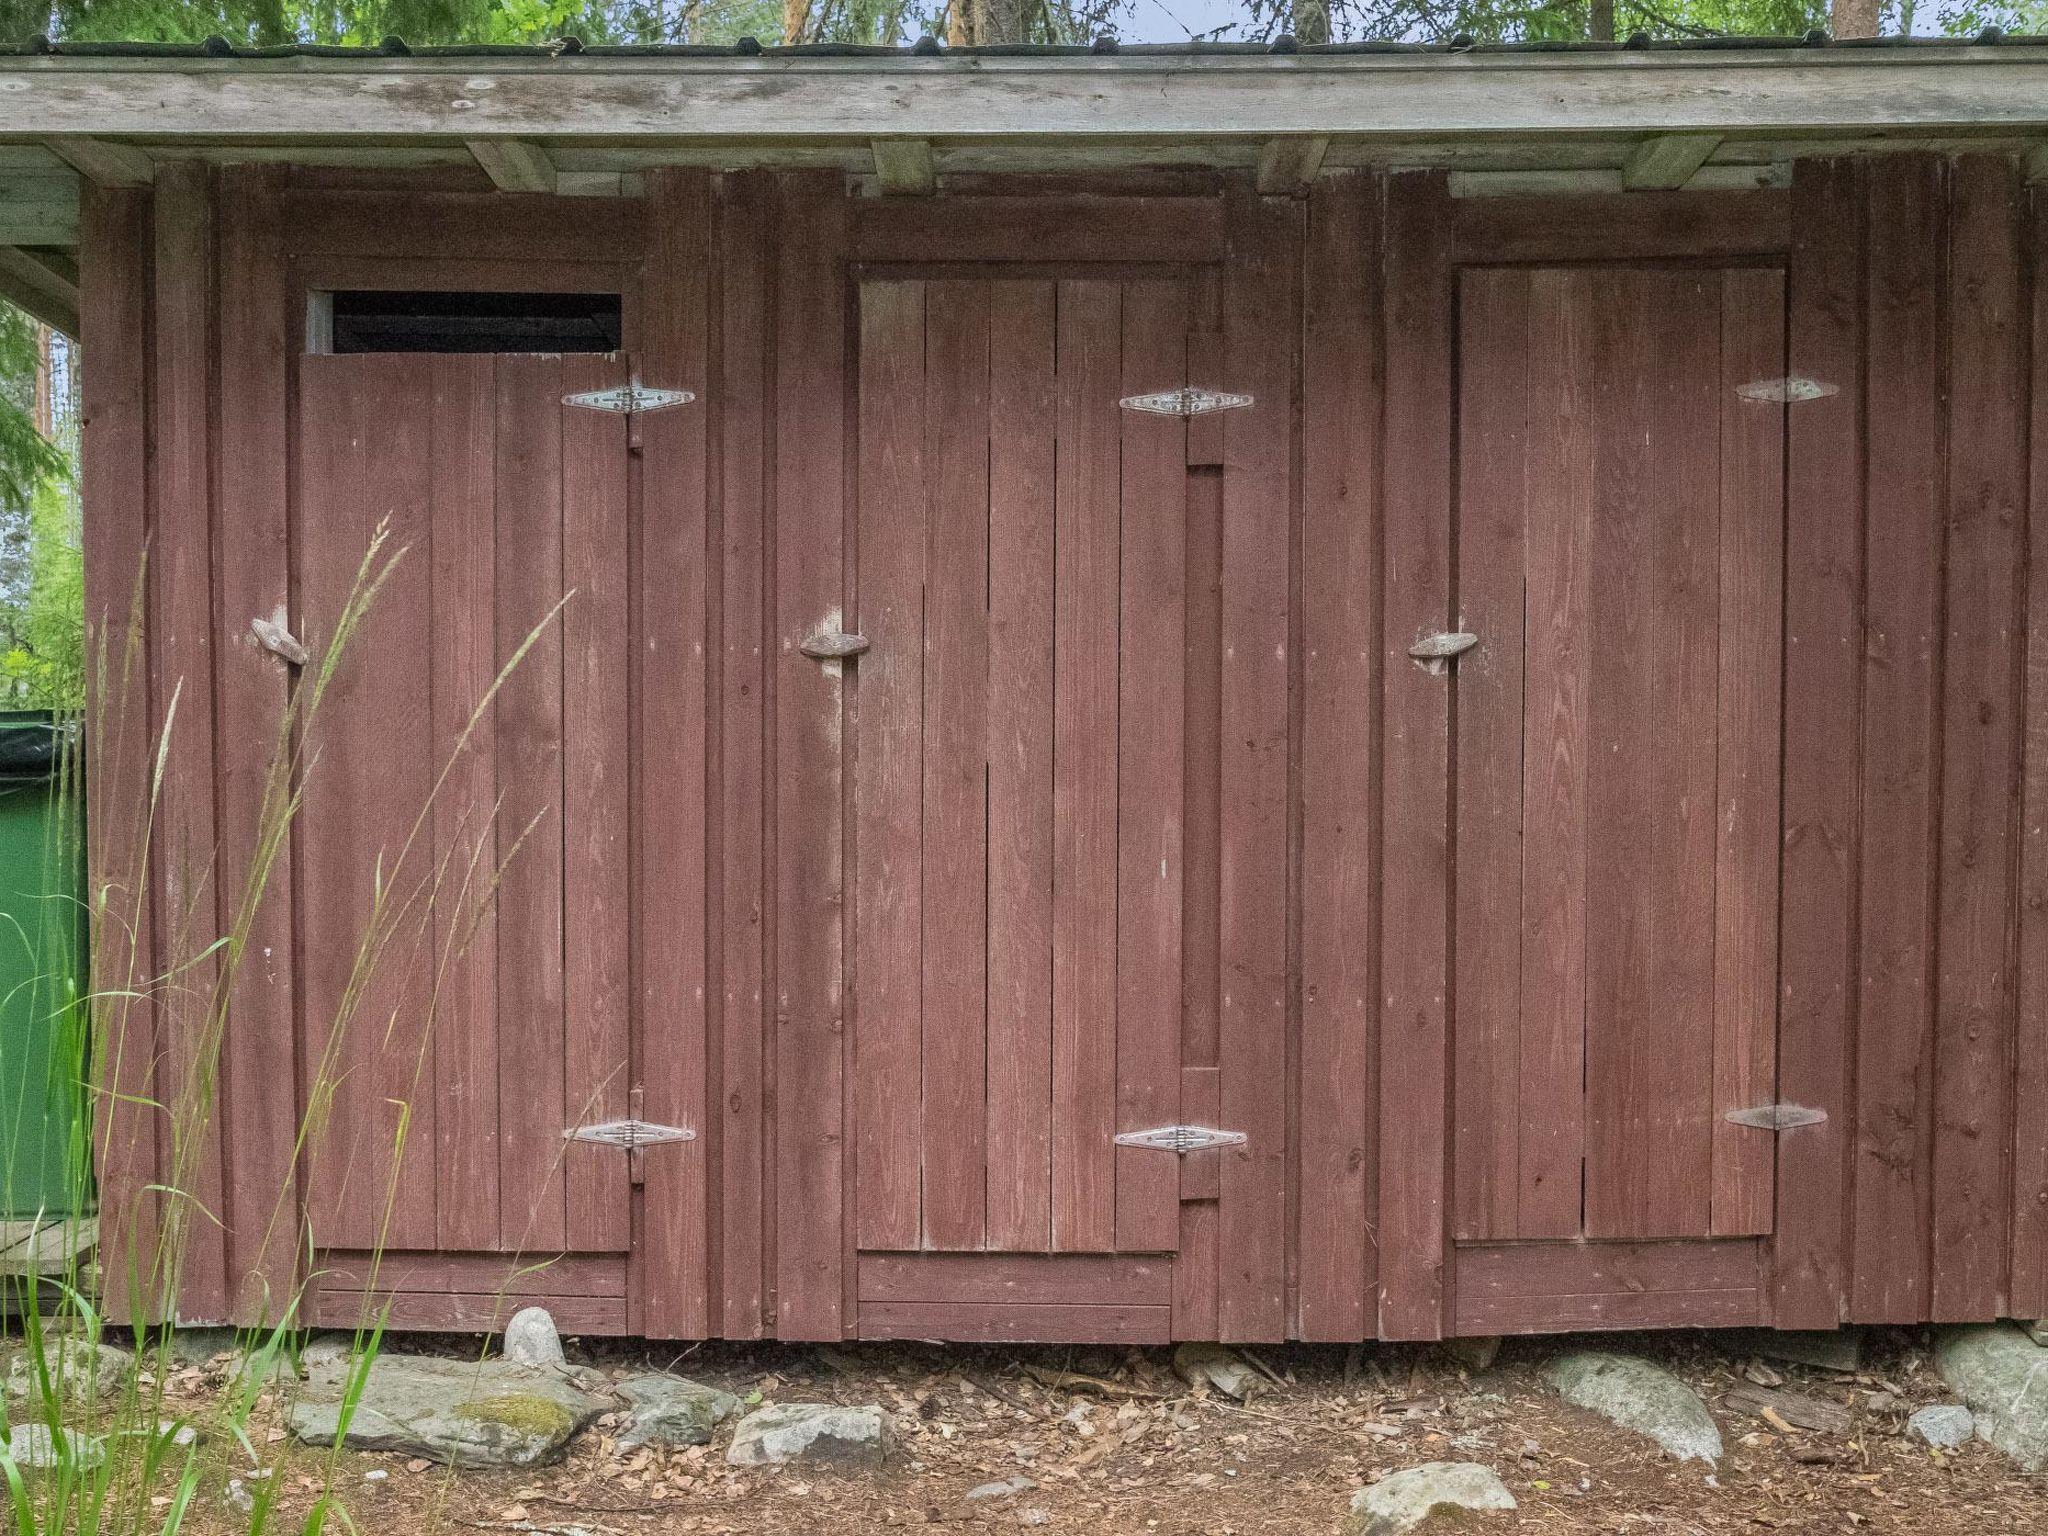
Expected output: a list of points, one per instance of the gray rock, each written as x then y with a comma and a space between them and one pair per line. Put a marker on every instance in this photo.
327, 1349
197, 1346
2003, 1376
1830, 1349
1943, 1425
810, 1432
81, 1369
531, 1339
670, 1410
1475, 1353
32, 1445
1637, 1395
1216, 1366
1007, 1488
2038, 1332
1403, 1501
464, 1413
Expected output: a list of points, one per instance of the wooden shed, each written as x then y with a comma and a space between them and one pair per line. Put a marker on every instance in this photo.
1167, 693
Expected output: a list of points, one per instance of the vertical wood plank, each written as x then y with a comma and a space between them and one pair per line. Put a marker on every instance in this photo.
1415, 879
1752, 495
2030, 1088
182, 657
1823, 656
1260, 328
810, 449
1084, 768
669, 799
464, 437
1150, 707
1550, 1102
955, 766
1022, 454
744, 445
532, 1041
1340, 416
1985, 499
254, 688
116, 246
1901, 772
597, 991
1499, 355
888, 824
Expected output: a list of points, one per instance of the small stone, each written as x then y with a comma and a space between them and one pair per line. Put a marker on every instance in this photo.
327, 1349
82, 1369
672, 1410
32, 1445
2004, 1378
2038, 1332
1005, 1489
1405, 1500
531, 1339
197, 1346
1216, 1366
1943, 1425
375, 1475
463, 1413
1631, 1392
1474, 1354
809, 1432
1828, 1349
237, 1493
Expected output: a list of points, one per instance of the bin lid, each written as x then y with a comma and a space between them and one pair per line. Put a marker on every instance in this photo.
30, 741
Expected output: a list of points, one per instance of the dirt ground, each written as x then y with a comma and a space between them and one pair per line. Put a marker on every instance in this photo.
1135, 1451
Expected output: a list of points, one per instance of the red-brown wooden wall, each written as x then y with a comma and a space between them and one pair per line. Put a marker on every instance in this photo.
1318, 936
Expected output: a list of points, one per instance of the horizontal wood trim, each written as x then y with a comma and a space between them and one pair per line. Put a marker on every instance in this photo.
1011, 1279
1693, 226
1808, 91
513, 1274
1031, 229
1545, 1287
462, 226
465, 1311
1015, 1323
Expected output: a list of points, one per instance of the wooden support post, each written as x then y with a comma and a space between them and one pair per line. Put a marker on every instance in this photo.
103, 163
514, 165
1668, 161
904, 167
41, 285
1287, 166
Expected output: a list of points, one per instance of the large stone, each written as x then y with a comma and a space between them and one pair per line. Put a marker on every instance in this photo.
2003, 1376
1218, 1367
1418, 1498
1631, 1392
464, 1413
81, 1369
1944, 1426
809, 1432
671, 1410
532, 1339
32, 1445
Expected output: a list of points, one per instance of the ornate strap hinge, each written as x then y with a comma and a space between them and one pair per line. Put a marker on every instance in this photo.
628, 398
1181, 1139
1776, 1117
1788, 391
1187, 401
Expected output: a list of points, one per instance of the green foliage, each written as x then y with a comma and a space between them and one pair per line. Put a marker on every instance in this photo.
44, 667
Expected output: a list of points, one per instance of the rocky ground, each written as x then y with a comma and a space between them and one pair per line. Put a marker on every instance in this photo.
1113, 1441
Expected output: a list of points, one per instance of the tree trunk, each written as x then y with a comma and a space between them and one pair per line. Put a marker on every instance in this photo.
796, 16
1600, 25
1853, 18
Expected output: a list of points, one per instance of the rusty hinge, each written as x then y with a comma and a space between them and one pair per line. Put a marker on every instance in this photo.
1188, 401
1181, 1139
1775, 1117
1433, 653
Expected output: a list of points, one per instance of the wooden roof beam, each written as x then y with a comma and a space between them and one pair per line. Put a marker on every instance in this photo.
1287, 166
46, 285
514, 165
104, 162
1667, 162
905, 168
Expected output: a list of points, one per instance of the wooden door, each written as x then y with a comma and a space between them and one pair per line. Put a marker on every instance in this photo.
1017, 799
1619, 556
463, 875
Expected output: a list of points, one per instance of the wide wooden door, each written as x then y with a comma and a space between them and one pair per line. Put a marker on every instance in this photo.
1619, 557
1018, 744
463, 894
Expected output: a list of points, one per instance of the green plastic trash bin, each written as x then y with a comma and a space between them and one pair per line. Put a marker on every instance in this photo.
43, 1126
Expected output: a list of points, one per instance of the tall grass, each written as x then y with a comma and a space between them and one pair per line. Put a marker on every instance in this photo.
144, 1470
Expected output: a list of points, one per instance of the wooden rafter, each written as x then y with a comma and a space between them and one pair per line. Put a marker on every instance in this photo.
514, 165
1287, 166
43, 283
904, 166
99, 160
1667, 161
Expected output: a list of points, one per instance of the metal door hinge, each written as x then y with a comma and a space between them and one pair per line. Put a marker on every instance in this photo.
1791, 391
834, 645
1433, 653
1185, 402
628, 1135
629, 398
1775, 1117
1181, 1139
275, 636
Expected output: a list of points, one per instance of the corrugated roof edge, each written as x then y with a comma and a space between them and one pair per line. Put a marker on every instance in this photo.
571, 48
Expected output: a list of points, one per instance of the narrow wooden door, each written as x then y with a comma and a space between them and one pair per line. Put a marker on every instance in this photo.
463, 857
1017, 801
1620, 547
